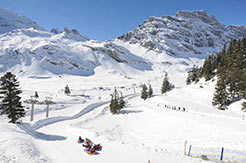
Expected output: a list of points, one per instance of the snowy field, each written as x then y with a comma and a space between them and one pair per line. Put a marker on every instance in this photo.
144, 130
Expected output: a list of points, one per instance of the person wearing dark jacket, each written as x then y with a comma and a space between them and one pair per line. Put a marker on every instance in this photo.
80, 140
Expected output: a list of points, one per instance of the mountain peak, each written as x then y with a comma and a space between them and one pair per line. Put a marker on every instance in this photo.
10, 21
194, 12
197, 15
187, 32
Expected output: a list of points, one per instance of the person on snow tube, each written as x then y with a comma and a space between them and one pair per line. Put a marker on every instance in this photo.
80, 140
88, 141
97, 147
90, 150
87, 145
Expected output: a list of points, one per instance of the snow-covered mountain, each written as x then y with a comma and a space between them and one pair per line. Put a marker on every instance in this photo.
157, 44
187, 32
10, 21
31, 51
151, 130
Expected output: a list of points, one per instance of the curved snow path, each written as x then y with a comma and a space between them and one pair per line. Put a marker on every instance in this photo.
38, 135
41, 123
31, 130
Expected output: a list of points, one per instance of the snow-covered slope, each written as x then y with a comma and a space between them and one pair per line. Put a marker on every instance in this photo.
159, 44
188, 32
31, 51
10, 21
144, 130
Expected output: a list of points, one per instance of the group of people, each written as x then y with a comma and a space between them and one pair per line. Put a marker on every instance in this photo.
173, 107
90, 147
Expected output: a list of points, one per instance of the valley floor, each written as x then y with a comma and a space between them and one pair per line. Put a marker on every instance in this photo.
144, 130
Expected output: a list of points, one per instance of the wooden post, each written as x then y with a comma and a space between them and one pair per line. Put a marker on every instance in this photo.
185, 147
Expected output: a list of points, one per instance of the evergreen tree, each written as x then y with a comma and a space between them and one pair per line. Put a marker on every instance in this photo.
189, 77
144, 93
121, 101
209, 67
230, 67
113, 106
221, 95
36, 94
244, 105
67, 90
150, 92
117, 103
9, 93
166, 85
194, 75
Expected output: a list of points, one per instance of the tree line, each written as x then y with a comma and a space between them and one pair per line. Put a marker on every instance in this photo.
166, 87
117, 102
229, 66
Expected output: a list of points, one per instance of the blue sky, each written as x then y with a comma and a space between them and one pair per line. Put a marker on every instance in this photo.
107, 19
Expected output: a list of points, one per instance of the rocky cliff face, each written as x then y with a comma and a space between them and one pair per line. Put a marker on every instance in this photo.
187, 32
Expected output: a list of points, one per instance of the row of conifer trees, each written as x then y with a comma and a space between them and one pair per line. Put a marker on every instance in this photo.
117, 101
148, 92
229, 66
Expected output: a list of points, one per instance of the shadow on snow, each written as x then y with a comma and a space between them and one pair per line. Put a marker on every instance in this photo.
38, 135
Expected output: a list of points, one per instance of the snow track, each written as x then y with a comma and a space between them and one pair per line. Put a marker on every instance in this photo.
31, 130
38, 135
41, 123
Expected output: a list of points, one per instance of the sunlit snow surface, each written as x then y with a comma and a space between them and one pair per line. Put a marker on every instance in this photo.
144, 130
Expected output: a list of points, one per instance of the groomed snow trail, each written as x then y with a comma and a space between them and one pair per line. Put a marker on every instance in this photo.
31, 130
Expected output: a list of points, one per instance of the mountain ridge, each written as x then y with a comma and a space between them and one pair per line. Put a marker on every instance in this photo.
158, 44
10, 21
186, 31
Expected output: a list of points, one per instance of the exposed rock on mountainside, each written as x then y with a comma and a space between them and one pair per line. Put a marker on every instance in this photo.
30, 51
188, 32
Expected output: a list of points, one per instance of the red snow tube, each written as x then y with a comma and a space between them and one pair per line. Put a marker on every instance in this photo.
97, 147
80, 141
